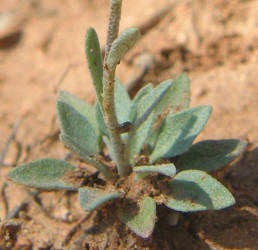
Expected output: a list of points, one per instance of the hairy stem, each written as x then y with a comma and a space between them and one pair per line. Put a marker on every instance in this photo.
113, 24
112, 125
108, 93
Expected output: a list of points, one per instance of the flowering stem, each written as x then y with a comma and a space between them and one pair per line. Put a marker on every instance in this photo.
118, 147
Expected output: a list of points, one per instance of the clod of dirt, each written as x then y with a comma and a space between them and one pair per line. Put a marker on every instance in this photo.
10, 34
8, 234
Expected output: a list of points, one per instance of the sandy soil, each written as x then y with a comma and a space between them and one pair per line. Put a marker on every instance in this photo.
41, 52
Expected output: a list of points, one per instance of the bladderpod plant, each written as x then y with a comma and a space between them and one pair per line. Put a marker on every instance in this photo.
148, 138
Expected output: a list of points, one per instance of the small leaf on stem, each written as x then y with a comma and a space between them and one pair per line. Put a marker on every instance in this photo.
93, 55
121, 45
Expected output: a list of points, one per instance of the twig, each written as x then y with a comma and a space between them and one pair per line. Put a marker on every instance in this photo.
74, 228
15, 211
67, 156
156, 18
19, 151
77, 244
130, 84
62, 77
144, 62
27, 152
17, 157
3, 192
37, 201
8, 141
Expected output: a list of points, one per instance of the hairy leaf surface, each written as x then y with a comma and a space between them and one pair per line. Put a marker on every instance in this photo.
94, 60
177, 97
121, 45
79, 105
46, 173
77, 127
100, 120
149, 102
137, 137
122, 102
210, 155
195, 190
179, 130
140, 94
164, 169
91, 198
143, 222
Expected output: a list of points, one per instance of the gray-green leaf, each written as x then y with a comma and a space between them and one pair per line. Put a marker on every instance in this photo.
164, 169
179, 130
210, 155
195, 190
121, 45
149, 102
142, 223
79, 105
93, 55
77, 127
177, 97
90, 198
140, 94
122, 102
100, 120
74, 146
137, 137
45, 173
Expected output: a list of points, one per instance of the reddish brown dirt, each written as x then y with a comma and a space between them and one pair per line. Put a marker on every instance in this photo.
42, 41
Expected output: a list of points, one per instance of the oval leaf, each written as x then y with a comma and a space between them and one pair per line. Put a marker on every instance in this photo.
44, 173
93, 55
71, 144
211, 155
100, 120
121, 45
77, 127
90, 198
177, 97
79, 105
140, 94
137, 137
149, 102
195, 190
179, 130
164, 169
142, 223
